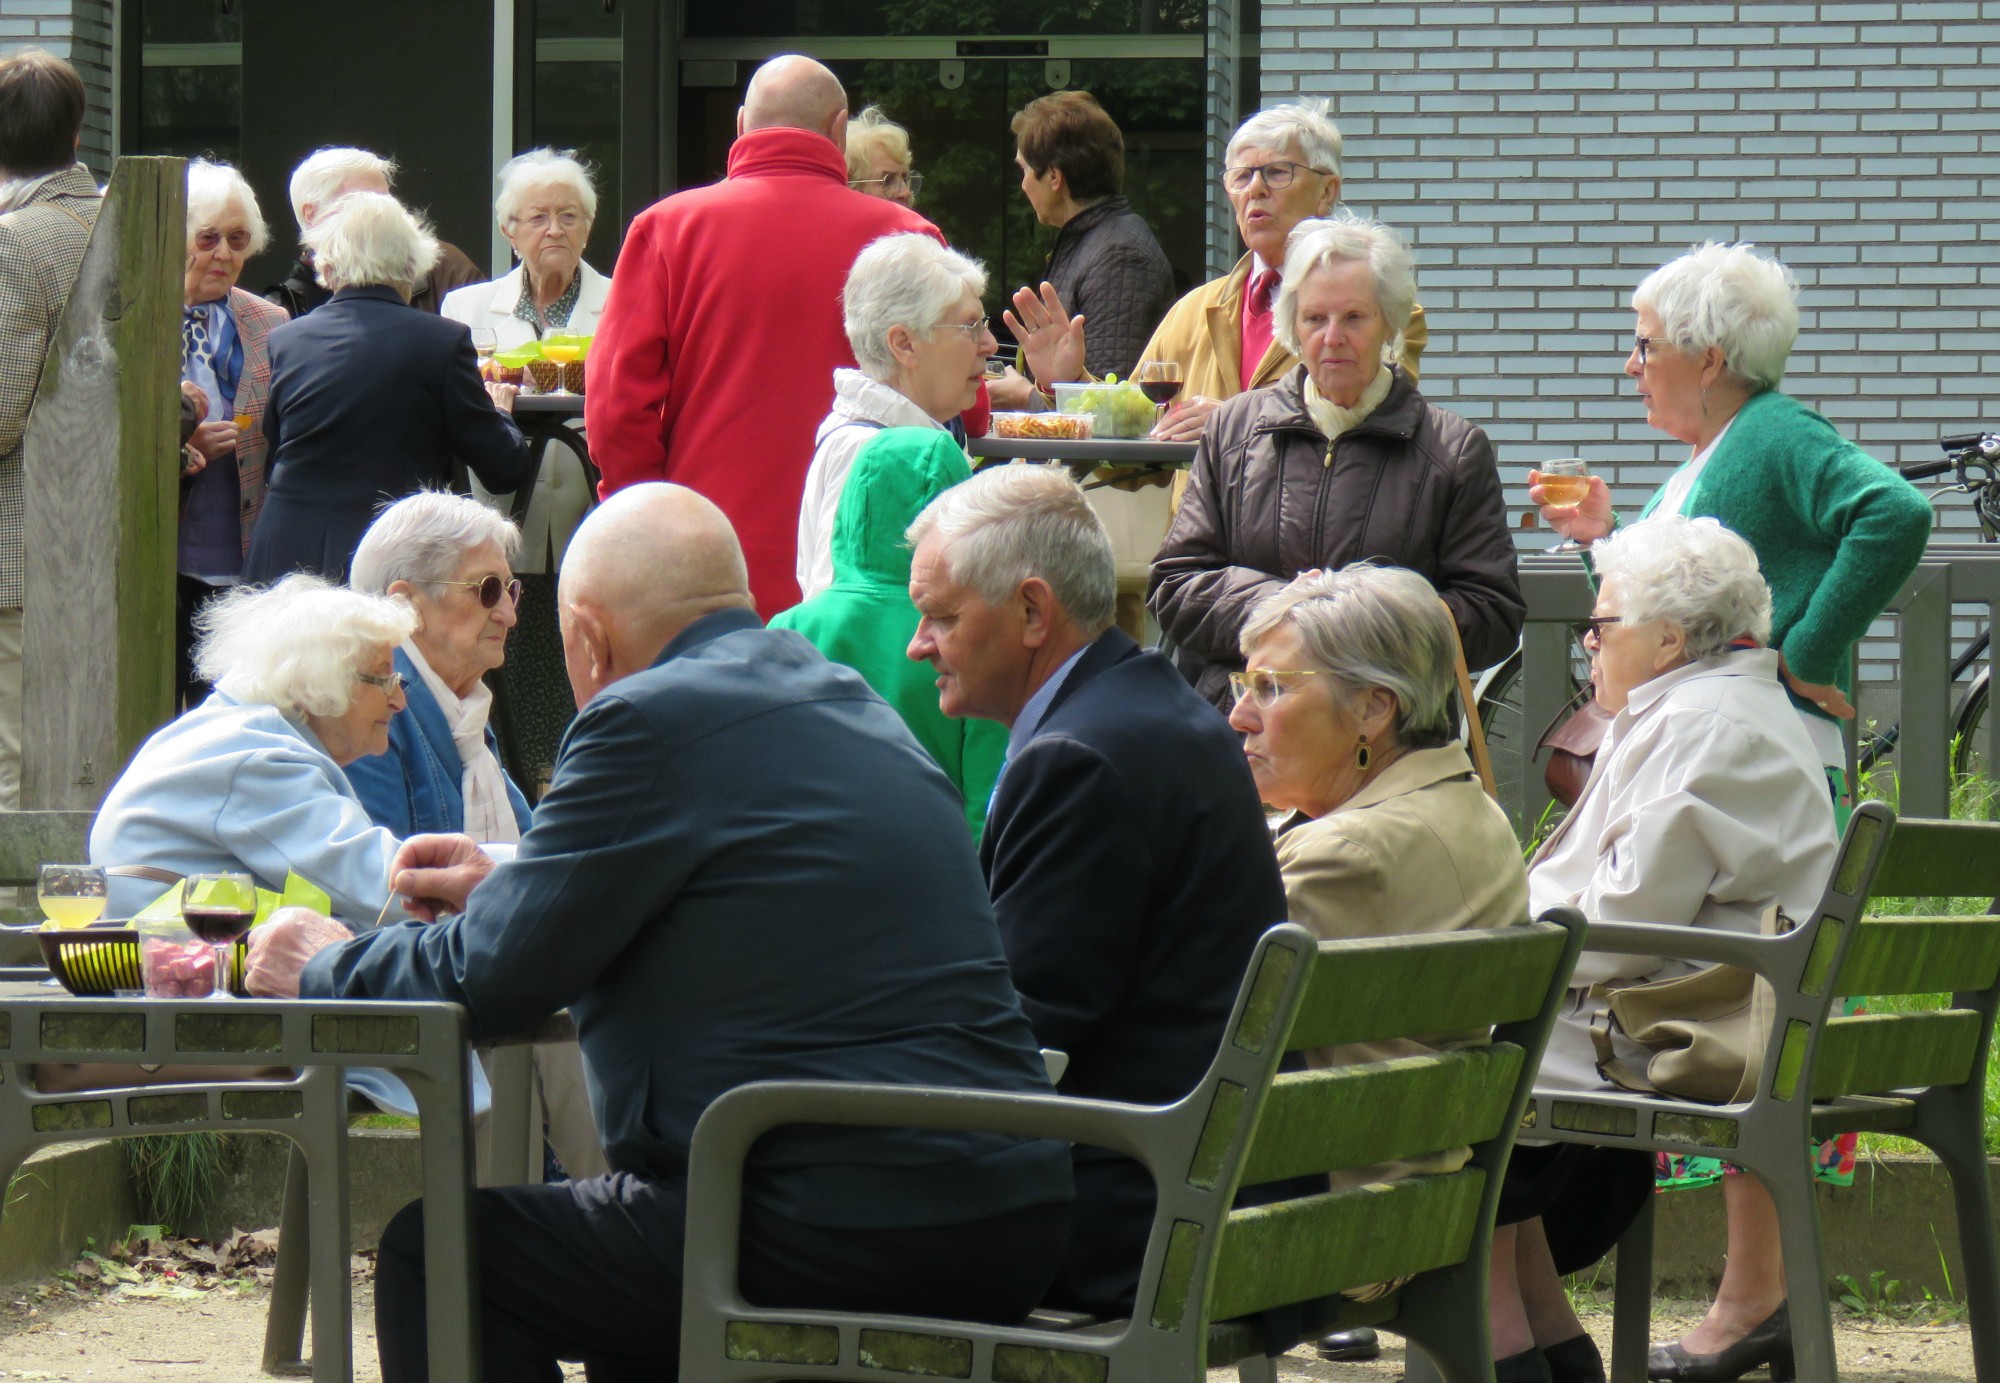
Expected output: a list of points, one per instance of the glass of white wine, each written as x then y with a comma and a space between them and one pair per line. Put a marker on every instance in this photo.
484, 342
71, 895
1565, 484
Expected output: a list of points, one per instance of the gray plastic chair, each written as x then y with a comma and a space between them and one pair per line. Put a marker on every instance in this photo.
1917, 1075
1219, 1285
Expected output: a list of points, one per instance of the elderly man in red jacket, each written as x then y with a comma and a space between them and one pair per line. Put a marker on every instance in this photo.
713, 361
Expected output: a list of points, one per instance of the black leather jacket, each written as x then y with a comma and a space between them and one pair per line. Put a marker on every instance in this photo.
1410, 485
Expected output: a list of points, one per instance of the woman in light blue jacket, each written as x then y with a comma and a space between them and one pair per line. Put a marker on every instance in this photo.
251, 779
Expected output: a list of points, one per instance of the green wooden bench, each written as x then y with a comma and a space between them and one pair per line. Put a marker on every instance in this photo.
1219, 1285
1919, 1075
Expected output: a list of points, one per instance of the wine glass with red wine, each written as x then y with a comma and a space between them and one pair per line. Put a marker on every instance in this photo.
219, 909
1160, 380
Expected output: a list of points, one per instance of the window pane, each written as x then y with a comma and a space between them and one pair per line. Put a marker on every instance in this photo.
192, 110
190, 21
575, 19
923, 18
576, 107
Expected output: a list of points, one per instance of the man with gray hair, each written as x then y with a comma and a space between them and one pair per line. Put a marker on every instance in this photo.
324, 178
713, 362
707, 888
1130, 865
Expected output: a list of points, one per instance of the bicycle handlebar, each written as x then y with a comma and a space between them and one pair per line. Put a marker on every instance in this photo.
1924, 470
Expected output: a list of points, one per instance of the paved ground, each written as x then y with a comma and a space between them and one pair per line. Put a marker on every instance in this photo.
217, 1337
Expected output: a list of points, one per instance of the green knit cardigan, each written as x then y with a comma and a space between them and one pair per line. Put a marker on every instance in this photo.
1835, 531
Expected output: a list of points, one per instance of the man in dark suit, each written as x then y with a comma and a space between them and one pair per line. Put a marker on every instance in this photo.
1127, 853
746, 869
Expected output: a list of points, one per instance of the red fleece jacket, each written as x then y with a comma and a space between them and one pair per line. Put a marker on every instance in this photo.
713, 362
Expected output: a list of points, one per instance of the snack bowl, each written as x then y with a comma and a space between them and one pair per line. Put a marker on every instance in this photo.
1044, 427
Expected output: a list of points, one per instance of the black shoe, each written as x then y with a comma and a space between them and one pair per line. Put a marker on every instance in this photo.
1575, 1360
1529, 1366
1770, 1343
1346, 1346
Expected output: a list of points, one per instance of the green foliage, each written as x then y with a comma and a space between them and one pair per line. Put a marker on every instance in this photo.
174, 1174
1884, 1298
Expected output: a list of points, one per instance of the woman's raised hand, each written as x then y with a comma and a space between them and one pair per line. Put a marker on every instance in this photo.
1581, 523
1051, 340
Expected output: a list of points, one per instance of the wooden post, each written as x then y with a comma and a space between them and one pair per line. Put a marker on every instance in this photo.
100, 480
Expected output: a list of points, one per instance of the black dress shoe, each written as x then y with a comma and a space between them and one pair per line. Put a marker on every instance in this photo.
1575, 1360
1770, 1343
1529, 1366
1349, 1345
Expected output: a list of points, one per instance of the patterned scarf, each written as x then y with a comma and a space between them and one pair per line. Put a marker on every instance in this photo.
212, 352
559, 310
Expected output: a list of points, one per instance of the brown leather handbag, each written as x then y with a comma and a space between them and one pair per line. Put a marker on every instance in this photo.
1573, 741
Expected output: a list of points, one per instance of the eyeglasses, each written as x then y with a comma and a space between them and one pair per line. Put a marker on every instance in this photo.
1642, 344
892, 184
569, 218
207, 240
1591, 631
1262, 686
972, 328
490, 589
1277, 176
391, 683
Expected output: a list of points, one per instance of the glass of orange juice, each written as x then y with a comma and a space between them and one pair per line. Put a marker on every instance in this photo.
562, 349
71, 895
1565, 484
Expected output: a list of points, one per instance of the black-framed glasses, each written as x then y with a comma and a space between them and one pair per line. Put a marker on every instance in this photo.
892, 184
490, 589
1264, 685
1642, 344
391, 683
207, 240
1592, 630
1277, 176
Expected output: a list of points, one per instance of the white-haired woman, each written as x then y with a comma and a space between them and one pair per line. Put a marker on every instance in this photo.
913, 316
878, 158
1835, 531
226, 373
253, 779
370, 400
323, 178
1707, 807
1282, 166
1341, 461
1343, 708
546, 207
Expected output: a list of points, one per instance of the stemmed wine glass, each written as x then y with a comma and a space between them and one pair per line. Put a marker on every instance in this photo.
1565, 484
1160, 381
71, 895
219, 909
562, 348
485, 341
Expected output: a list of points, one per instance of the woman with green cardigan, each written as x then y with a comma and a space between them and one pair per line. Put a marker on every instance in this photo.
1836, 533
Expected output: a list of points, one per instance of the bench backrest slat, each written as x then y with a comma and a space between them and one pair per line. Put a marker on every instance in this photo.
1453, 982
1940, 859
1922, 955
1873, 1053
29, 840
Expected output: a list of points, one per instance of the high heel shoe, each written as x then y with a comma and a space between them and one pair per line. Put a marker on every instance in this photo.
1575, 1360
1769, 1343
1529, 1366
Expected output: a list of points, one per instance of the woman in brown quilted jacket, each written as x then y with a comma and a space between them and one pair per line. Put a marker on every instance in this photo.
1340, 460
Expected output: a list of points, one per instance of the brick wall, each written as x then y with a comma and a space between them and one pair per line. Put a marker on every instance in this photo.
1542, 158
79, 31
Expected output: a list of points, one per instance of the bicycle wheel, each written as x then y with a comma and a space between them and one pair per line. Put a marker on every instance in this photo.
1972, 773
1507, 742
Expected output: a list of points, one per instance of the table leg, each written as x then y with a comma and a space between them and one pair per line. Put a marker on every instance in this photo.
451, 1257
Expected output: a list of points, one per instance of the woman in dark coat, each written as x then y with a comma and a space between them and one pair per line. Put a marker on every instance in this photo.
370, 398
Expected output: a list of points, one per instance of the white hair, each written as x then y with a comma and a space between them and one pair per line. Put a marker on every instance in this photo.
1369, 626
297, 645
1325, 242
1689, 572
423, 537
908, 281
369, 239
1732, 297
1301, 128
316, 183
212, 188
540, 168
1008, 523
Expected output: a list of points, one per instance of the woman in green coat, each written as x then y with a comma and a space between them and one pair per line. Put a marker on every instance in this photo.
865, 619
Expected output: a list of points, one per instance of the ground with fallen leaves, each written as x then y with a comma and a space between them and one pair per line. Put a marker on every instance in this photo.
158, 1308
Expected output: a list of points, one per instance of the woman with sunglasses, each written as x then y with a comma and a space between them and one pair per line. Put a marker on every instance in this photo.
1343, 707
452, 558
226, 373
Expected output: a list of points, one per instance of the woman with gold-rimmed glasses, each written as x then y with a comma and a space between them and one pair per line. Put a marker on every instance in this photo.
878, 158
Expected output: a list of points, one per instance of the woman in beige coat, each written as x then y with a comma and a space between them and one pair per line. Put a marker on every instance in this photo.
1343, 706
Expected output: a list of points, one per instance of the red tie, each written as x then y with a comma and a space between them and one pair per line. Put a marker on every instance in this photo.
1257, 322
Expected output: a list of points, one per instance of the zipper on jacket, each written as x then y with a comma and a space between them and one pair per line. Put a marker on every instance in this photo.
1327, 464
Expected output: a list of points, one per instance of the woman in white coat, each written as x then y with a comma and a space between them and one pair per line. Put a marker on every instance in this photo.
545, 208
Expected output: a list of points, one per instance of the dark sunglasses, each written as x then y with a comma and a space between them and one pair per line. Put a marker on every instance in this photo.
239, 240
1593, 628
490, 589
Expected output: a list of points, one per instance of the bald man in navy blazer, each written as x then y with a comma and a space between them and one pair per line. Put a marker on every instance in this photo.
1128, 856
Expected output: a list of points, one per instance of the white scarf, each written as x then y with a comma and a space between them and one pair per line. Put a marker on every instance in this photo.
489, 816
15, 192
1332, 419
